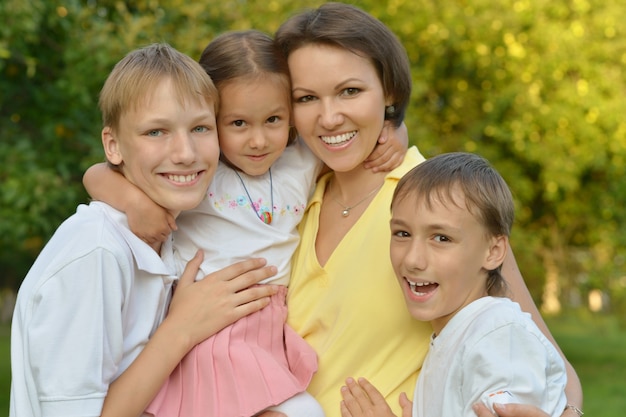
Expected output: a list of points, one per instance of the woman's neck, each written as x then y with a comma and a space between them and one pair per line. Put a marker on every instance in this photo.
350, 187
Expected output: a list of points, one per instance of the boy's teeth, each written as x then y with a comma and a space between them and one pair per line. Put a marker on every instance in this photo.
334, 140
182, 178
415, 285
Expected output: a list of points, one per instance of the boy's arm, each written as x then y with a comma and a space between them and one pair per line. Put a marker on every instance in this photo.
390, 150
149, 221
197, 311
520, 294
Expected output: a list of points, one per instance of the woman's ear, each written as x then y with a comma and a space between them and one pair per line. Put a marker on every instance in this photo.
111, 146
497, 251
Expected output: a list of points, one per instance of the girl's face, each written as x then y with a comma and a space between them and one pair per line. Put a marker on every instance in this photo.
253, 122
338, 104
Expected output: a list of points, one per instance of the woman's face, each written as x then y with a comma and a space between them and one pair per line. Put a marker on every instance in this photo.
338, 104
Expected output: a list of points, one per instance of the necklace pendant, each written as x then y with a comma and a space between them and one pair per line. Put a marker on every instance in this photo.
345, 212
266, 217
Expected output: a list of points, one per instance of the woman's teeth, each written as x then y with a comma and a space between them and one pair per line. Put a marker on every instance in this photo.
335, 140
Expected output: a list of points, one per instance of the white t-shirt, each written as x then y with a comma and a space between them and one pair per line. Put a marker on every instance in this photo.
84, 312
227, 227
489, 346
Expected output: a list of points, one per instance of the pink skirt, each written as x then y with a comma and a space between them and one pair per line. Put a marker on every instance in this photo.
245, 368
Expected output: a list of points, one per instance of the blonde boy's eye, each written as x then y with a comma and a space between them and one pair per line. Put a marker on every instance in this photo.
200, 129
155, 133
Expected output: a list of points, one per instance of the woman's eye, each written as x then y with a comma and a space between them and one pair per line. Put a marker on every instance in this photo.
350, 91
441, 238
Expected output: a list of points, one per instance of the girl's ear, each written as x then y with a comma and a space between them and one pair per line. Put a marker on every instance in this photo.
497, 251
111, 146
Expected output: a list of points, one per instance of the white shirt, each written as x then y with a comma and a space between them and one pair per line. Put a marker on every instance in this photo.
488, 346
84, 312
227, 227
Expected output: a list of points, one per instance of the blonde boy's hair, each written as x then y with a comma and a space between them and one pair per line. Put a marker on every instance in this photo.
134, 78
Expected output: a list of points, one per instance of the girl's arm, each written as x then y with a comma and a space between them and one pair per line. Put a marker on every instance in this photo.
197, 311
520, 294
149, 221
390, 150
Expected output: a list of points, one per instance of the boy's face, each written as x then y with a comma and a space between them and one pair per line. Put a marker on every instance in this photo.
253, 123
168, 150
441, 256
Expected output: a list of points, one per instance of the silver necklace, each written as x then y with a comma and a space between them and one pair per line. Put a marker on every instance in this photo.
346, 209
265, 216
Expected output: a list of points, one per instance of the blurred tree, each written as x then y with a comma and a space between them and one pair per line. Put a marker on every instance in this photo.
535, 86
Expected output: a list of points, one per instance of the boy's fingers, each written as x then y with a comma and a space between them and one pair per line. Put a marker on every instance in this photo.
191, 269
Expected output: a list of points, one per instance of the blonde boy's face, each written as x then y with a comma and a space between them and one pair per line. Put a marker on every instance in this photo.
168, 150
441, 256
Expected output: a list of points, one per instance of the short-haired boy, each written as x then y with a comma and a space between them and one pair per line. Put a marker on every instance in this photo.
450, 225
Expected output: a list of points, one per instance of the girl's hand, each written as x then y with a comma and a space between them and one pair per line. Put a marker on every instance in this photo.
362, 399
201, 309
149, 221
390, 150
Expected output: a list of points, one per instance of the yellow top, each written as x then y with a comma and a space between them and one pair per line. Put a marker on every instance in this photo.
352, 311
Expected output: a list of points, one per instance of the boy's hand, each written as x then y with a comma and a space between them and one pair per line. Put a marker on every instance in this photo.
200, 309
362, 399
390, 150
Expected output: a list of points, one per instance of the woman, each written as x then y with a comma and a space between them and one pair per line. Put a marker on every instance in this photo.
350, 73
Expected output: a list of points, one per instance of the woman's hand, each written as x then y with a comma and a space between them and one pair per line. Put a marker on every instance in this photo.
201, 309
362, 399
511, 410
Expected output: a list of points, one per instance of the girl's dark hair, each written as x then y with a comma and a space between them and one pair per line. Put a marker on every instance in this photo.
350, 28
247, 54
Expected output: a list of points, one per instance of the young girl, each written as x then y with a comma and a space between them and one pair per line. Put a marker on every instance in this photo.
252, 208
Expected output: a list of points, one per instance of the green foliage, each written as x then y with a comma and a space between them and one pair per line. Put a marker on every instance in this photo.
535, 86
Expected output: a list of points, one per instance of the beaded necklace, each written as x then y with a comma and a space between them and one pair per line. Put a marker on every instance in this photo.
265, 216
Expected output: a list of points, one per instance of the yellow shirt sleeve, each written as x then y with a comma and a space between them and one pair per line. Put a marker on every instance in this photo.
352, 311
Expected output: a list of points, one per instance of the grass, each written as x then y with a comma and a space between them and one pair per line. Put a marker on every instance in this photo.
593, 344
595, 347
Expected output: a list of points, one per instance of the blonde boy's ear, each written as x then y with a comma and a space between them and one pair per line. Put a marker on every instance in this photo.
497, 252
111, 146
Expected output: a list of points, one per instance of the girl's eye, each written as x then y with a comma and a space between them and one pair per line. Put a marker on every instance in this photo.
239, 123
273, 119
304, 99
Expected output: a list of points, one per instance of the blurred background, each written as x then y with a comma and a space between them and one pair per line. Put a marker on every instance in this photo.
535, 86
